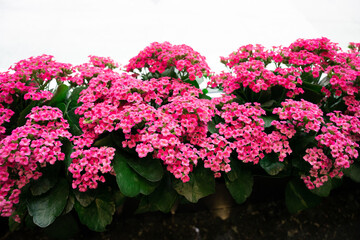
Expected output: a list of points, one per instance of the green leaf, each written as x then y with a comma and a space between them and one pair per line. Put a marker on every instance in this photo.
145, 206
129, 182
239, 182
271, 166
70, 204
45, 208
150, 169
73, 120
353, 172
74, 97
193, 83
164, 197
268, 120
99, 214
60, 95
212, 127
313, 87
298, 197
84, 198
67, 149
201, 184
46, 181
22, 116
324, 190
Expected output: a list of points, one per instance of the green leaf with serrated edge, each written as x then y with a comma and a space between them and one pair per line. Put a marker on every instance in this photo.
353, 172
150, 169
59, 95
130, 183
239, 181
46, 208
298, 197
271, 166
324, 190
201, 184
99, 214
47, 181
84, 198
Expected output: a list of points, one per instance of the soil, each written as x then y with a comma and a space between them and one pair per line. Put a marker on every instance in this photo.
262, 216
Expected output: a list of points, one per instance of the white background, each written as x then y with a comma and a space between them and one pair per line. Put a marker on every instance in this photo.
71, 30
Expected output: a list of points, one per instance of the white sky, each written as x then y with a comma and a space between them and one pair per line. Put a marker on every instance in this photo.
70, 30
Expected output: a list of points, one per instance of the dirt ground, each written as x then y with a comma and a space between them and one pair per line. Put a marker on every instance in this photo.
262, 216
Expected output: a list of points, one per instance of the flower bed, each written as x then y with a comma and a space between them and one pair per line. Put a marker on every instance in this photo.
86, 138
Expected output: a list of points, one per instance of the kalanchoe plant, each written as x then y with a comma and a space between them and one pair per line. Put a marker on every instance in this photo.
85, 138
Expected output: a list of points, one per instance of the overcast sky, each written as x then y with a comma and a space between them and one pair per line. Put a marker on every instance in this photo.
70, 30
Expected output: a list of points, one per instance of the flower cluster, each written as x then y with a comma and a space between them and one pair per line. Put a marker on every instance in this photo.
162, 56
342, 152
245, 129
5, 115
249, 70
88, 164
215, 152
302, 114
31, 75
27, 148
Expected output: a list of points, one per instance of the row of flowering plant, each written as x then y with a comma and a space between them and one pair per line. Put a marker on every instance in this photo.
85, 138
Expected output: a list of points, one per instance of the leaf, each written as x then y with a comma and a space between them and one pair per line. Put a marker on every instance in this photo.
129, 182
298, 197
59, 95
201, 184
212, 128
98, 214
313, 87
22, 116
268, 104
84, 198
70, 204
46, 181
268, 120
45, 208
353, 172
164, 197
271, 166
193, 83
324, 190
67, 149
73, 120
150, 169
145, 206
74, 97
239, 182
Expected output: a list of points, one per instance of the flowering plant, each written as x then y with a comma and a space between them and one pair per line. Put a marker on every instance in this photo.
88, 137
